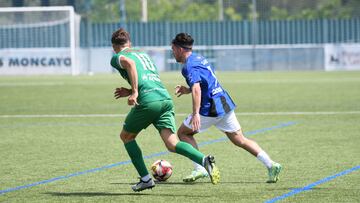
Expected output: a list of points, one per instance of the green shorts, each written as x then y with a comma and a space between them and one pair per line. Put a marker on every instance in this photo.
159, 113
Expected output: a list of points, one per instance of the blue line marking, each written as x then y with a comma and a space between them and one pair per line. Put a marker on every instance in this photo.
281, 125
312, 185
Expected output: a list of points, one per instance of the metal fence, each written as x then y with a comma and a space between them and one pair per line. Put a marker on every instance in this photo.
260, 58
228, 32
37, 36
205, 33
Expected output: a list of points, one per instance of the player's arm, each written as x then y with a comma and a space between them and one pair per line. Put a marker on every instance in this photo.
122, 92
196, 99
130, 67
180, 90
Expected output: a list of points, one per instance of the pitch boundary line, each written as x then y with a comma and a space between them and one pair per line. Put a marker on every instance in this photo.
312, 185
249, 133
243, 81
182, 114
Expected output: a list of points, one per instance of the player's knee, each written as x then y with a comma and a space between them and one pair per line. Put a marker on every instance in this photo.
237, 138
180, 132
181, 136
170, 146
184, 135
126, 137
240, 142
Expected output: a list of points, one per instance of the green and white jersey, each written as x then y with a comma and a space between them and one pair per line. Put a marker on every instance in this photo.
150, 87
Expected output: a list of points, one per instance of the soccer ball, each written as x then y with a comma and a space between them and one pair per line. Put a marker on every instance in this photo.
161, 170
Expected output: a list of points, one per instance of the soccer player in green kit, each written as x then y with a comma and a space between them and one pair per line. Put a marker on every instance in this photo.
151, 104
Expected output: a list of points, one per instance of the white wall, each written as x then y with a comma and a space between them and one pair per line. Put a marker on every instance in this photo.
97, 60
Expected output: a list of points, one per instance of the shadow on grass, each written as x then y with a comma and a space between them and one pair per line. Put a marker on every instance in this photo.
97, 194
205, 182
242, 182
165, 183
91, 194
197, 183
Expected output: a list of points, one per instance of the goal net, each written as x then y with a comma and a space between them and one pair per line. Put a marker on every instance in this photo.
37, 40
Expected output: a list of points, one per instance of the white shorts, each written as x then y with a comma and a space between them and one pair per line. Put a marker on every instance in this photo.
226, 123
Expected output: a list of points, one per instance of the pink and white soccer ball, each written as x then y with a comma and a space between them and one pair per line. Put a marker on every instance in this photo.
161, 170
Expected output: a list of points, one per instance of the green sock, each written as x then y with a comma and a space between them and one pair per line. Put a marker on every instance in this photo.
189, 151
136, 157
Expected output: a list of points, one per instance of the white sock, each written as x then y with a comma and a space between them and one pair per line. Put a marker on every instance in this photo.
265, 159
146, 178
198, 167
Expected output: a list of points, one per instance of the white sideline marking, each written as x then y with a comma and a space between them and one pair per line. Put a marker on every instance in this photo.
242, 81
27, 84
182, 114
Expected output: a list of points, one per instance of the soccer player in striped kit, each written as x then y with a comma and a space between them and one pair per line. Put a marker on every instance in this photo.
211, 105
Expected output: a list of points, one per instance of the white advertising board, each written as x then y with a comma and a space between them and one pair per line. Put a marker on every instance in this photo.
25, 61
342, 57
42, 61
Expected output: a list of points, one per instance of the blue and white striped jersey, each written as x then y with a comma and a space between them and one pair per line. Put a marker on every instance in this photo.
215, 101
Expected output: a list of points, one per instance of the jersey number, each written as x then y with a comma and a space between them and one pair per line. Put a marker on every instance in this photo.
145, 61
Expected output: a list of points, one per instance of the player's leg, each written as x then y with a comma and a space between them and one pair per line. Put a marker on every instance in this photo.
230, 125
240, 140
167, 128
174, 145
252, 147
133, 124
137, 160
186, 134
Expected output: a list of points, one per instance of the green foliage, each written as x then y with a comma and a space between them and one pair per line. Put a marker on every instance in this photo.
104, 11
278, 13
133, 10
207, 10
231, 14
251, 15
158, 10
185, 10
325, 9
181, 10
334, 9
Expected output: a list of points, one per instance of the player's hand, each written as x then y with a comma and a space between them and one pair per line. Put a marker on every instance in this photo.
195, 122
132, 100
121, 92
180, 90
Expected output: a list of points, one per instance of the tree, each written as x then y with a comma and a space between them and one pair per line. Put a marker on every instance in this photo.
324, 9
206, 10
231, 14
182, 10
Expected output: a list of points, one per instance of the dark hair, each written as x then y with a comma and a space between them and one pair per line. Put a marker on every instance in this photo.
120, 37
183, 40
